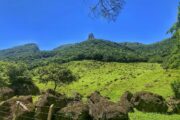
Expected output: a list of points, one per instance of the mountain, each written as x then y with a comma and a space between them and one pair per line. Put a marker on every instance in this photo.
96, 49
155, 52
20, 52
111, 51
63, 47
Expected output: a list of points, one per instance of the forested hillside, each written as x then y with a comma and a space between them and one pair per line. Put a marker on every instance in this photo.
99, 50
23, 52
155, 52
96, 49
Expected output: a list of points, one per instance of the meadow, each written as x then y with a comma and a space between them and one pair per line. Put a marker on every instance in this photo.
112, 79
152, 116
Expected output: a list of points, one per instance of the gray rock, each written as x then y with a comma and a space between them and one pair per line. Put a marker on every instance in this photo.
101, 108
6, 93
74, 111
46, 100
149, 102
173, 106
125, 101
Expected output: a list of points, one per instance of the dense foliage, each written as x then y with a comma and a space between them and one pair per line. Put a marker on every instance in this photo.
23, 52
100, 50
173, 60
17, 77
176, 88
3, 74
156, 52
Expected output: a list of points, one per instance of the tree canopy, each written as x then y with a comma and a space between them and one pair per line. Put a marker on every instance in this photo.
55, 73
173, 60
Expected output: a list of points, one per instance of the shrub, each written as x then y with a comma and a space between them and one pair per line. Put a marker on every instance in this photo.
20, 80
24, 86
176, 88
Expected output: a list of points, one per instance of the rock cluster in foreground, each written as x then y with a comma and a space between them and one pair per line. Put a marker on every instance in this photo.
97, 107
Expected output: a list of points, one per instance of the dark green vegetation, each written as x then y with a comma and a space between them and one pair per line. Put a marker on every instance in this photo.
100, 50
173, 60
24, 52
176, 88
18, 78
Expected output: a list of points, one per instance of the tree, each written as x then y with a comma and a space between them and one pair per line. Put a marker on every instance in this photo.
173, 60
108, 9
56, 74
20, 79
16, 72
175, 28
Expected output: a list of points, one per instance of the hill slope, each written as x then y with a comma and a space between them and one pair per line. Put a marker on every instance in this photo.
155, 52
20, 52
101, 50
112, 79
98, 50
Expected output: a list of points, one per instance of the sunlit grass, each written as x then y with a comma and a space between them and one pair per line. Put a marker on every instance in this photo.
113, 79
152, 116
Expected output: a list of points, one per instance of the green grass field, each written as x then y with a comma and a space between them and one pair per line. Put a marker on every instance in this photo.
152, 116
113, 79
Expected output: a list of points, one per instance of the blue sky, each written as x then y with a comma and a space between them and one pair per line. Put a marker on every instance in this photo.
51, 23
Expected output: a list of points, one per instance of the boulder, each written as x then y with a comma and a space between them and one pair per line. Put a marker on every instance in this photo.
74, 111
9, 107
149, 102
46, 100
173, 106
125, 101
77, 97
6, 93
101, 108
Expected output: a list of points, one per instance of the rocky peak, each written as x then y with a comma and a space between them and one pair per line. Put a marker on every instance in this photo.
91, 36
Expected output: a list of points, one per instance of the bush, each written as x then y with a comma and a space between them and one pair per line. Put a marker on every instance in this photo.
25, 86
176, 88
20, 80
